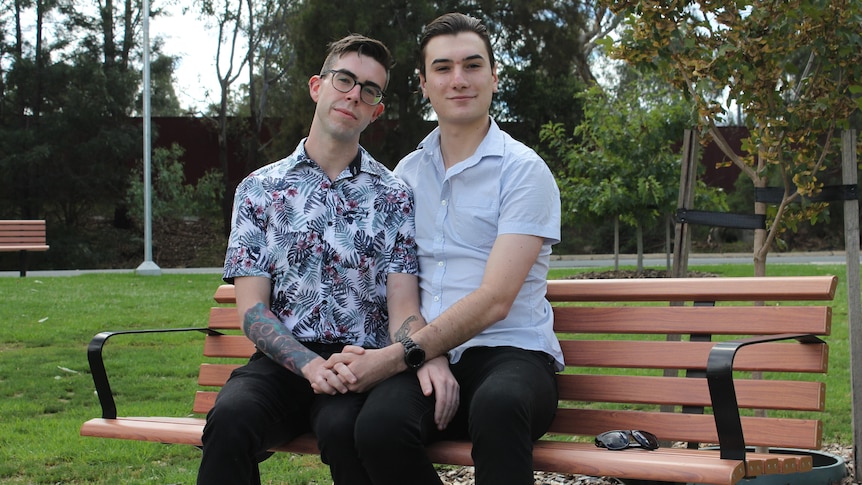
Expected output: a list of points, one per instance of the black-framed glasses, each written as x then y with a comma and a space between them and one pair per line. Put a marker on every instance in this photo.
622, 439
344, 82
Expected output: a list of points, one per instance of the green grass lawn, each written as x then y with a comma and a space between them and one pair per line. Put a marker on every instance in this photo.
47, 391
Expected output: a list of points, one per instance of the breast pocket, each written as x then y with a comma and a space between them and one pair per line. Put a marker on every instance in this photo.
475, 226
474, 209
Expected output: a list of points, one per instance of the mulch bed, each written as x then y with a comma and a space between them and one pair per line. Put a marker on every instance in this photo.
629, 274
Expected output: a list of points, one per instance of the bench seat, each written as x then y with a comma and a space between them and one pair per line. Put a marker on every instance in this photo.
585, 458
23, 236
695, 361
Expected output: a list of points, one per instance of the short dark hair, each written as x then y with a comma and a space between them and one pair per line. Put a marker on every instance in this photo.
362, 45
452, 24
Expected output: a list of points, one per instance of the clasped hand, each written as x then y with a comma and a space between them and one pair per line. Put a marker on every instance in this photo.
359, 370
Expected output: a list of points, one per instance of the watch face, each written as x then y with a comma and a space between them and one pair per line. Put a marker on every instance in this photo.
415, 357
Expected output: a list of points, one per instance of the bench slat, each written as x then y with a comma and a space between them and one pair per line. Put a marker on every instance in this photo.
751, 393
760, 288
656, 320
697, 428
18, 247
775, 357
224, 318
224, 294
236, 346
745, 320
204, 401
679, 289
215, 374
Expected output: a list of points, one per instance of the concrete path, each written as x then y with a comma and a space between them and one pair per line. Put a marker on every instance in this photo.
557, 261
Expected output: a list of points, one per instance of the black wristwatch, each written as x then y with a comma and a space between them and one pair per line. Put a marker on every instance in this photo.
414, 356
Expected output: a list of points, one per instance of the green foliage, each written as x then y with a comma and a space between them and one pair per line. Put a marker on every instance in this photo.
620, 161
67, 93
791, 67
541, 47
171, 197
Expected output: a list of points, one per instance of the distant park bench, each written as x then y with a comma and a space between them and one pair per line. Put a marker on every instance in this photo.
614, 335
22, 236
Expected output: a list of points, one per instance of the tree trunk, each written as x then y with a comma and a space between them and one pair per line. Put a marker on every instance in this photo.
617, 243
639, 231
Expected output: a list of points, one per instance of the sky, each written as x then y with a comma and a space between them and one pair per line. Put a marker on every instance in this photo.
194, 45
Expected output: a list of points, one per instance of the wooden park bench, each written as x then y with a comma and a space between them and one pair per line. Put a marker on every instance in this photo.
22, 236
674, 357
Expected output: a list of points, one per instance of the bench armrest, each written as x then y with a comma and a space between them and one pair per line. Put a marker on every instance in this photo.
97, 364
725, 408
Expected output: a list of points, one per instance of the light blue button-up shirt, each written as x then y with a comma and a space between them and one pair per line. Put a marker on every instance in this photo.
503, 188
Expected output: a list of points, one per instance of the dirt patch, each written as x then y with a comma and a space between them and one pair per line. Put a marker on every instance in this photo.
630, 274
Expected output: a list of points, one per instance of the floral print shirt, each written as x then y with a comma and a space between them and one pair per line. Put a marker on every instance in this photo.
328, 246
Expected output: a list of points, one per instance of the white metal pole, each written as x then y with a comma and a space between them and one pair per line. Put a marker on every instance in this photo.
148, 267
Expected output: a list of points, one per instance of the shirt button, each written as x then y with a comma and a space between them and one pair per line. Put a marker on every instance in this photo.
443, 202
440, 263
436, 298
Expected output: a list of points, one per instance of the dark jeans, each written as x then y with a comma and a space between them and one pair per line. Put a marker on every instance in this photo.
263, 405
508, 400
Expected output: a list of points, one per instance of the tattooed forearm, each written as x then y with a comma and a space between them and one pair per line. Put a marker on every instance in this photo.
404, 330
270, 337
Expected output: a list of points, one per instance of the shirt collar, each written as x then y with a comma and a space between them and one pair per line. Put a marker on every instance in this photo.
363, 162
491, 146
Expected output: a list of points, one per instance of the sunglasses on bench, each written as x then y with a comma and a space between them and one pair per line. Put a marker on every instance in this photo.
622, 439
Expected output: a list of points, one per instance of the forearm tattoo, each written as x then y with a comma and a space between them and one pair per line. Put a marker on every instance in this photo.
273, 339
404, 330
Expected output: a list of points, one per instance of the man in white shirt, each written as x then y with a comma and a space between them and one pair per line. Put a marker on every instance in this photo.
487, 213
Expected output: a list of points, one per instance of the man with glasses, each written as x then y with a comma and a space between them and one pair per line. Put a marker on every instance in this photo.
322, 255
487, 213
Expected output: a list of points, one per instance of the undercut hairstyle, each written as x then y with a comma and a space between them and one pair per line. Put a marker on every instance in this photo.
361, 45
452, 24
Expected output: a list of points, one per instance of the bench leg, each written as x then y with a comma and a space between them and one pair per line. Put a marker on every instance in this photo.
255, 475
22, 263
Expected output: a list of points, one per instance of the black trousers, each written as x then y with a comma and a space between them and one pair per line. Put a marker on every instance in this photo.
264, 405
508, 400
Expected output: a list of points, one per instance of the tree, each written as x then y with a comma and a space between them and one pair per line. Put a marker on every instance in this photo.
791, 67
620, 164
545, 51
253, 37
69, 91
542, 49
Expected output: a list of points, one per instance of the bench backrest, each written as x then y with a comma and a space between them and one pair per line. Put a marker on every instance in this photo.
22, 234
636, 349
